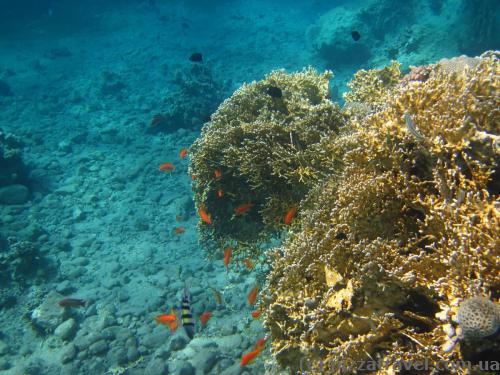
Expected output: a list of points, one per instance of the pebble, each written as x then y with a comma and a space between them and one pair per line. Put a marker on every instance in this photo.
178, 342
14, 194
156, 367
4, 348
98, 347
66, 329
132, 354
187, 369
49, 314
117, 356
204, 361
68, 353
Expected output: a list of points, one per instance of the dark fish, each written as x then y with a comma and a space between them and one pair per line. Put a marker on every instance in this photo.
187, 316
341, 236
274, 92
355, 35
196, 57
72, 302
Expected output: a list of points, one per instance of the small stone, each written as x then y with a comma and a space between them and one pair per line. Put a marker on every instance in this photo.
155, 367
49, 314
65, 287
132, 353
14, 194
4, 364
68, 353
66, 329
117, 356
98, 347
204, 361
187, 369
178, 342
4, 348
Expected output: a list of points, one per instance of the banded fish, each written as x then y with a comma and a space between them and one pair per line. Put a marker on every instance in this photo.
187, 316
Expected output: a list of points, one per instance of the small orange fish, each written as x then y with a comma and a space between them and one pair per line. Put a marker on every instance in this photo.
260, 344
166, 167
166, 318
205, 217
290, 214
248, 264
227, 257
204, 318
217, 173
242, 208
220, 193
249, 357
179, 230
253, 295
183, 153
256, 314
193, 177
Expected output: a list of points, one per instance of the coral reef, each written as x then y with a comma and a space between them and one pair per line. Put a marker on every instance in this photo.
258, 156
13, 172
390, 244
331, 37
197, 95
372, 87
478, 317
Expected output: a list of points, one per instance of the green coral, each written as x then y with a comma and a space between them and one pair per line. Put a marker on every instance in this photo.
388, 244
269, 151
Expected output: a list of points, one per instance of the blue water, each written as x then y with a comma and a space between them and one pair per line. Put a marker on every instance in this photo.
86, 214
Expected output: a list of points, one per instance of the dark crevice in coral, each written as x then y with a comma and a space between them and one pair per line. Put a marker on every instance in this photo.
420, 304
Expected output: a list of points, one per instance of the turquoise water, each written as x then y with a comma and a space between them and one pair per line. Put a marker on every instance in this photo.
93, 99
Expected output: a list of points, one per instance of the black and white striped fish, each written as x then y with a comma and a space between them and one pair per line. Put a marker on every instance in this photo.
187, 316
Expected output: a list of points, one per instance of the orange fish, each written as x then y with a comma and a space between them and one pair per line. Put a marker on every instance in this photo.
248, 263
242, 208
205, 217
220, 193
290, 214
183, 153
193, 177
260, 344
204, 318
249, 357
253, 295
227, 257
256, 314
179, 230
168, 319
217, 173
166, 167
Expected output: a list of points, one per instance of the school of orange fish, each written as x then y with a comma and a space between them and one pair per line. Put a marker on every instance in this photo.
171, 320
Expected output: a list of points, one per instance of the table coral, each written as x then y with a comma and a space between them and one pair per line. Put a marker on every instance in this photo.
391, 242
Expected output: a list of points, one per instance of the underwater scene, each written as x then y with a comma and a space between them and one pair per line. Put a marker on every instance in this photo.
249, 187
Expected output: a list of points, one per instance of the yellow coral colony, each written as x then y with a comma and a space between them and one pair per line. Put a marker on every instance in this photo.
269, 152
391, 243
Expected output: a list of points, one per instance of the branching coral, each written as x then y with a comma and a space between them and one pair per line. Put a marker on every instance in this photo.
264, 146
389, 244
